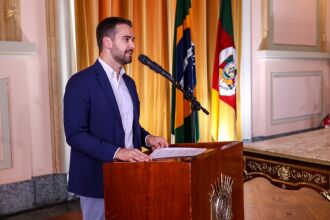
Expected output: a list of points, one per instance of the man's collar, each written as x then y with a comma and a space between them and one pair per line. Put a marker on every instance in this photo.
110, 71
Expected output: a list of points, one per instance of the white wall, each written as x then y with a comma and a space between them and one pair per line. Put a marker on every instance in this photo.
28, 94
290, 76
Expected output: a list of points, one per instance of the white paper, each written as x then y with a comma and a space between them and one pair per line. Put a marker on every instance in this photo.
176, 152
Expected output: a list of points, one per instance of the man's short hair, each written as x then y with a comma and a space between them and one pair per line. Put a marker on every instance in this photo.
107, 27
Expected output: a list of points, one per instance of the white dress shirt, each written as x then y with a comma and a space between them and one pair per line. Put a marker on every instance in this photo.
124, 101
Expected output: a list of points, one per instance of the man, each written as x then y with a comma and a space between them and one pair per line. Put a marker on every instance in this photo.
101, 116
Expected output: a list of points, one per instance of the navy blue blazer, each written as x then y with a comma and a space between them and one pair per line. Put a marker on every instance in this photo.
93, 127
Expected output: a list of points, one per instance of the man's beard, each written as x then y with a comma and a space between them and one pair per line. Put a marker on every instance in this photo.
121, 58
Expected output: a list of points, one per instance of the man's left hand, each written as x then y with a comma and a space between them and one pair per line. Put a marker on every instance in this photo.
156, 142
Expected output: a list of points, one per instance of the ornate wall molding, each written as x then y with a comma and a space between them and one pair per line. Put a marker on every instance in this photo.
270, 27
5, 147
17, 48
10, 20
283, 54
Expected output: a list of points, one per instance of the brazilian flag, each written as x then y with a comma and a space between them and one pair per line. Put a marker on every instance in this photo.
184, 72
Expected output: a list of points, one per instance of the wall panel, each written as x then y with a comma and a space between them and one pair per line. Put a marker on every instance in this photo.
296, 96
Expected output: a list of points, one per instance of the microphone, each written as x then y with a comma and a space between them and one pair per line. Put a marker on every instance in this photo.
158, 69
154, 66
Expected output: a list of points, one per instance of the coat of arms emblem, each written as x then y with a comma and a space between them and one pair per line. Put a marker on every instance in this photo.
221, 198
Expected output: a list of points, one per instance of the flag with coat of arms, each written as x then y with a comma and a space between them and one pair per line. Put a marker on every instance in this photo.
224, 84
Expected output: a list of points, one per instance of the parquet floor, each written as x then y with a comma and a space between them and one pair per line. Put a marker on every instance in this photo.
263, 201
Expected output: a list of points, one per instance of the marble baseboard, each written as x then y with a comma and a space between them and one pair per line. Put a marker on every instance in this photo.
262, 138
16, 197
37, 192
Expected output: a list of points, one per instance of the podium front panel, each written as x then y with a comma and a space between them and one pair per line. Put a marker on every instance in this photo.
176, 188
152, 190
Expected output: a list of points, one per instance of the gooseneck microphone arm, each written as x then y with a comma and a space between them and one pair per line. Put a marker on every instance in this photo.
195, 104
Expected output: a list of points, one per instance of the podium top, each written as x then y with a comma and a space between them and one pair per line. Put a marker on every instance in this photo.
210, 148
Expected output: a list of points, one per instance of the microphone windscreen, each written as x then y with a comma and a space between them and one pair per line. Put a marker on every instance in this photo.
143, 59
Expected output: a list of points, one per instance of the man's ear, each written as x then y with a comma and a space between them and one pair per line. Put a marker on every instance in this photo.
107, 42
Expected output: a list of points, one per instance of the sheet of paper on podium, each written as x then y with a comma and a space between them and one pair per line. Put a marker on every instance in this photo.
176, 152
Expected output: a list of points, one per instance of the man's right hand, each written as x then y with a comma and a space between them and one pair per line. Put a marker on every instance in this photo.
132, 155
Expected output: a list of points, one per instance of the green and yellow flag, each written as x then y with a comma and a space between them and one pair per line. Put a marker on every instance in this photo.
184, 72
224, 84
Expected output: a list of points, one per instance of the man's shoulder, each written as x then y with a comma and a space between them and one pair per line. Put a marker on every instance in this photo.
85, 74
82, 79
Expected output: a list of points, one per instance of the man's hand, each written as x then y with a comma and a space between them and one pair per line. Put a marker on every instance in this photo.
131, 155
156, 142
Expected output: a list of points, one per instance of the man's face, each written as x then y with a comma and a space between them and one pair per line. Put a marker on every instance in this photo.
123, 44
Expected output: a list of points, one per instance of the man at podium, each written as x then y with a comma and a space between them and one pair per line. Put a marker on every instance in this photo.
101, 116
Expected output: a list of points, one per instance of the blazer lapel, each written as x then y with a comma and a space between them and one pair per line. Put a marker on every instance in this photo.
106, 86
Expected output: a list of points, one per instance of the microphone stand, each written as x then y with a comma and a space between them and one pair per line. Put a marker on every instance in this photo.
194, 103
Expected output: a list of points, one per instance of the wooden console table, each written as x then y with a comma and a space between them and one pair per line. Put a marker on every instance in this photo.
287, 172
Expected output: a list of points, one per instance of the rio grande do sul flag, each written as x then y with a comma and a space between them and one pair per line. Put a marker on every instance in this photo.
224, 117
184, 123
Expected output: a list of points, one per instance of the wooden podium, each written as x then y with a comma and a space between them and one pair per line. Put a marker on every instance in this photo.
174, 188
